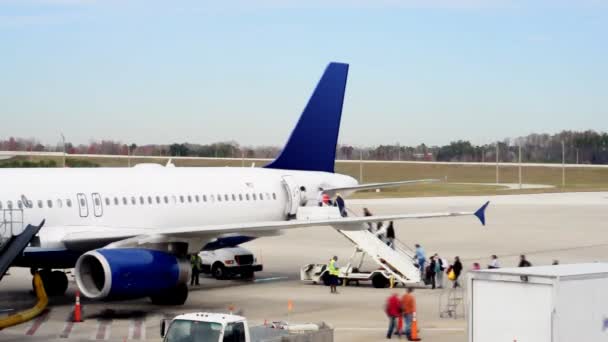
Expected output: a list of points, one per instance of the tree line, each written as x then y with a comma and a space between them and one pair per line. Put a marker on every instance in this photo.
584, 147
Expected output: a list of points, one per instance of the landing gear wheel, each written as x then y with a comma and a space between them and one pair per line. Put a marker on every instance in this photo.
55, 282
59, 281
219, 271
379, 281
174, 296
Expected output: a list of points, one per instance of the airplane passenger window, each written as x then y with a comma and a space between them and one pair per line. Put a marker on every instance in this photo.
116, 201
39, 204
133, 201
107, 201
254, 197
0, 205
157, 199
149, 199
247, 196
233, 197
97, 203
240, 197
49, 203
174, 199
68, 202
124, 201
59, 203
141, 199
211, 198
196, 198
19, 205
267, 196
226, 197
166, 199
189, 199
261, 196
9, 204
219, 198
204, 198
274, 196
181, 198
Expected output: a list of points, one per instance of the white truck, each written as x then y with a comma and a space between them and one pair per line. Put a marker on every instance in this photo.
228, 262
218, 327
560, 303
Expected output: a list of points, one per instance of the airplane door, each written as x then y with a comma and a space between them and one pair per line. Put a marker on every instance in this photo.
83, 206
293, 195
97, 205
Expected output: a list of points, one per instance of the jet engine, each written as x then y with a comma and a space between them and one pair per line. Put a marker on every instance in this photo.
126, 273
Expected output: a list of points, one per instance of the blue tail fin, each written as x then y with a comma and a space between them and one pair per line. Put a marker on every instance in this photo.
312, 144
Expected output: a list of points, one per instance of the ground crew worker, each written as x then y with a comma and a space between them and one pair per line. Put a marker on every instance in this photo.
334, 273
341, 205
325, 199
409, 309
196, 263
393, 311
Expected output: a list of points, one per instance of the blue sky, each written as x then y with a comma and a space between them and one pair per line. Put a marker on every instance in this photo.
203, 71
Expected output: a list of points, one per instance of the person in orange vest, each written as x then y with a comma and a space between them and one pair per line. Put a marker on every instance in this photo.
409, 309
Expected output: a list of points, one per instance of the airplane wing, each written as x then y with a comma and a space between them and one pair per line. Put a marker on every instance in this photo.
372, 186
78, 239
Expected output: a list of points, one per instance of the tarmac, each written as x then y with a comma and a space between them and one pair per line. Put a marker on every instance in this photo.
569, 227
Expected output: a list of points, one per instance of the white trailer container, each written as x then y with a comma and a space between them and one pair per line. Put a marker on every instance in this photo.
564, 303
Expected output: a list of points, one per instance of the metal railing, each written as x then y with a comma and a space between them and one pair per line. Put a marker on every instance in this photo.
11, 224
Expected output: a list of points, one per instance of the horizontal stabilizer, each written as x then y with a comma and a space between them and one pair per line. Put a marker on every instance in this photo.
481, 213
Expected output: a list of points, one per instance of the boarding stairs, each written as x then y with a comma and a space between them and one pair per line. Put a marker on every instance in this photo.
14, 236
397, 262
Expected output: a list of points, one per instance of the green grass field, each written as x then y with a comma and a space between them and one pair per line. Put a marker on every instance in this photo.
577, 179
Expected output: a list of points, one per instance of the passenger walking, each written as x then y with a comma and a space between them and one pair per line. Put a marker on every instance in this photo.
523, 262
409, 310
325, 199
367, 213
393, 311
494, 262
457, 268
334, 273
390, 235
196, 264
476, 266
320, 197
339, 202
430, 272
439, 268
420, 258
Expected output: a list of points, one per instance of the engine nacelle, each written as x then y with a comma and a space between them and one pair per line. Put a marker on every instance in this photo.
130, 273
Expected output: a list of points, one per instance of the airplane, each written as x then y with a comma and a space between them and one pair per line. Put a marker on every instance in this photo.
128, 232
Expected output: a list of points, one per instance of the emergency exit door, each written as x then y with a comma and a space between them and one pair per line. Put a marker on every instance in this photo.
97, 205
83, 205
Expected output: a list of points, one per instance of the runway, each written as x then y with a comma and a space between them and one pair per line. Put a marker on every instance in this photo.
569, 227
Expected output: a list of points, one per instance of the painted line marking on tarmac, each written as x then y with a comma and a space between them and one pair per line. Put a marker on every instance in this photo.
103, 329
69, 325
384, 329
265, 280
37, 323
137, 329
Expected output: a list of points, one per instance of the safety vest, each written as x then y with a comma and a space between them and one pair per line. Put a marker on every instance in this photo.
332, 268
195, 261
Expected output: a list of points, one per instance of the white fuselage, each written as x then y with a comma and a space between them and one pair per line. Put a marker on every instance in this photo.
150, 196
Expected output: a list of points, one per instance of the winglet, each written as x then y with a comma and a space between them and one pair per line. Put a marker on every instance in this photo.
481, 213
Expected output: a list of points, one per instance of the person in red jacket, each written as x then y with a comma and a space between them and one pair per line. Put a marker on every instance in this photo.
393, 311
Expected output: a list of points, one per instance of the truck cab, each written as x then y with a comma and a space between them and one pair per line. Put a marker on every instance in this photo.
228, 262
205, 327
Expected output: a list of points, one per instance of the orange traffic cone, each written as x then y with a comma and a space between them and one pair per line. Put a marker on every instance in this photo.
77, 309
414, 332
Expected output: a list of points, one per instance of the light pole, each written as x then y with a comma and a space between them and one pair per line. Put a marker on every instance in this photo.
497, 178
63, 143
563, 165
